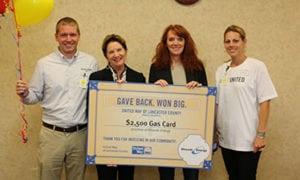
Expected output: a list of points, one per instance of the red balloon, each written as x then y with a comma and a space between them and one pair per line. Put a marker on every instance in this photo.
3, 5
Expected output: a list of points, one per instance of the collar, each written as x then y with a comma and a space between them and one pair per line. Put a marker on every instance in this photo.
63, 56
114, 73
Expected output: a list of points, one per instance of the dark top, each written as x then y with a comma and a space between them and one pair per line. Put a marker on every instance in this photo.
165, 74
126, 172
106, 75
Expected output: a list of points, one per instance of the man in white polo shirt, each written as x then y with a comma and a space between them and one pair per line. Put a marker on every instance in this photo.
59, 83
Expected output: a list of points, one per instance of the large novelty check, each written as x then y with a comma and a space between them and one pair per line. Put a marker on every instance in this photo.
149, 125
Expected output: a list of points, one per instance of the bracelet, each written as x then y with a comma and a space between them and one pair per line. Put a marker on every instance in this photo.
261, 135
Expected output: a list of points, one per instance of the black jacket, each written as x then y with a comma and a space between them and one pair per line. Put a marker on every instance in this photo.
165, 74
106, 75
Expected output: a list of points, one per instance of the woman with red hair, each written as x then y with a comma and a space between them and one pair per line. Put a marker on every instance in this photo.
176, 62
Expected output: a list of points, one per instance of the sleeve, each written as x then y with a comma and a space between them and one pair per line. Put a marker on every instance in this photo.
152, 74
135, 76
93, 76
217, 81
36, 86
203, 78
143, 79
265, 89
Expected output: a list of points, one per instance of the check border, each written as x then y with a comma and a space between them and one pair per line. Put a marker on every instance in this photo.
95, 86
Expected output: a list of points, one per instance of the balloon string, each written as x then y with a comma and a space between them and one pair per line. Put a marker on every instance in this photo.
22, 107
10, 29
22, 132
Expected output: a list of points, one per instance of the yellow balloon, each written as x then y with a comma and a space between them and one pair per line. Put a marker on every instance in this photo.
29, 12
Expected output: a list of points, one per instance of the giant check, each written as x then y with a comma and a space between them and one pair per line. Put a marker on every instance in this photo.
149, 125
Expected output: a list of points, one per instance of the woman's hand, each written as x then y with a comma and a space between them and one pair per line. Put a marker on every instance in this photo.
258, 144
193, 84
161, 82
120, 81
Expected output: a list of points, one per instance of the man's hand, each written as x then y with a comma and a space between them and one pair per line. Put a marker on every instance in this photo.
22, 88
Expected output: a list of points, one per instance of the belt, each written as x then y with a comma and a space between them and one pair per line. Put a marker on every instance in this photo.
69, 129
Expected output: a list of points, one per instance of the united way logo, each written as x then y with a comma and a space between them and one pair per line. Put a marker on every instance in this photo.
142, 150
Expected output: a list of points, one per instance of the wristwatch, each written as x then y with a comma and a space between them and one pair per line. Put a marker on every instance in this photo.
261, 135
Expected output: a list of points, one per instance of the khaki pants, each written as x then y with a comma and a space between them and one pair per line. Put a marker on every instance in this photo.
59, 148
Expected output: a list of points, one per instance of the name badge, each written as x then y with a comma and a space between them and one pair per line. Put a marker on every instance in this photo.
83, 81
224, 80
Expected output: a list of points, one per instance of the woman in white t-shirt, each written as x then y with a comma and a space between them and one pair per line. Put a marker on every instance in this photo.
243, 102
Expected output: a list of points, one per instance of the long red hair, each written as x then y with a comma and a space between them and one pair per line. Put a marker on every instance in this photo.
189, 57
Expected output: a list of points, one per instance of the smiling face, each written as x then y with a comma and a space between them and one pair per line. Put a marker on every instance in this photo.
234, 44
67, 38
175, 44
116, 55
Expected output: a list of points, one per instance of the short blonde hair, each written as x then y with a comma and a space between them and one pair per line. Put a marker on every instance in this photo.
237, 29
67, 21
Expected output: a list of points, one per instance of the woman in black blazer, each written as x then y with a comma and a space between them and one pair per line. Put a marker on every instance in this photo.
176, 62
115, 50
